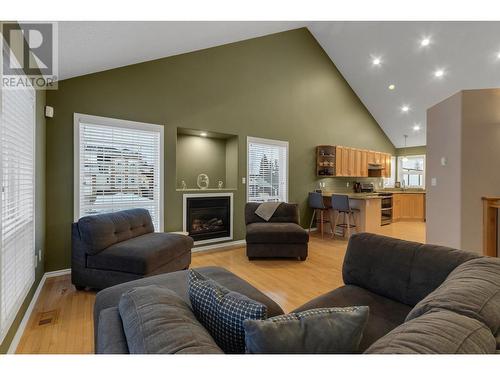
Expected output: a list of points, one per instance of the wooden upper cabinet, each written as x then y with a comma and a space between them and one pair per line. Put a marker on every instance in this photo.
345, 161
358, 161
388, 165
349, 162
370, 157
364, 163
338, 160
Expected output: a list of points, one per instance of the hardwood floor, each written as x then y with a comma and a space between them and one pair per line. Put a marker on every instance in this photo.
62, 320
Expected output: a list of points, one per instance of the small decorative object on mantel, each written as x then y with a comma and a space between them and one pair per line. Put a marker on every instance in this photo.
220, 184
183, 185
203, 181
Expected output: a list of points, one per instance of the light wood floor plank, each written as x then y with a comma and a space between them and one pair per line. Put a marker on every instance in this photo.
290, 283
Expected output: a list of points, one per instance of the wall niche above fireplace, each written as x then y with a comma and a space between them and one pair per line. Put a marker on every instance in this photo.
214, 154
208, 217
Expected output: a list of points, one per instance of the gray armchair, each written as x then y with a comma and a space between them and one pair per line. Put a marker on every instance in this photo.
114, 248
280, 237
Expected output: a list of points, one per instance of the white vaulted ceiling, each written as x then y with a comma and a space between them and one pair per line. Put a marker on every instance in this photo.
467, 53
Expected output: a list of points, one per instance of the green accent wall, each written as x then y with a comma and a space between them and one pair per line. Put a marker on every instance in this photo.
197, 155
281, 86
417, 150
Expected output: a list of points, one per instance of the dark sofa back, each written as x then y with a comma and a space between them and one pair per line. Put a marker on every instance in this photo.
285, 213
98, 232
401, 270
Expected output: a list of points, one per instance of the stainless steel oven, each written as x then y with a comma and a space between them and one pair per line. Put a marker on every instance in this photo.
386, 212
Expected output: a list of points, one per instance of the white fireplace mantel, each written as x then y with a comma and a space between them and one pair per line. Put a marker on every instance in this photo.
208, 195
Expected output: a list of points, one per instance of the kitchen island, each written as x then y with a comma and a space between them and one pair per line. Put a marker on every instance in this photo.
368, 219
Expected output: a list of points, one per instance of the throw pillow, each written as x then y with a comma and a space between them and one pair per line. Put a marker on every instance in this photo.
157, 321
222, 311
317, 331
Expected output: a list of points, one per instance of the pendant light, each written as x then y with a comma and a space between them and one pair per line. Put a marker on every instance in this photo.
405, 159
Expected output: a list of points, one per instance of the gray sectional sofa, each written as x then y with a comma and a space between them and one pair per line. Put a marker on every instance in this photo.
114, 248
422, 298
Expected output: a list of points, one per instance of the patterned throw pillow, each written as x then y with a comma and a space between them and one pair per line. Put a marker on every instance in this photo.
329, 330
222, 311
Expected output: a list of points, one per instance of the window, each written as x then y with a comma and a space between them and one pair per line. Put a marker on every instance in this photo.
411, 171
118, 166
17, 219
267, 173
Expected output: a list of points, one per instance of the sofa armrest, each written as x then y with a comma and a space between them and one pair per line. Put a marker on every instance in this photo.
401, 270
110, 335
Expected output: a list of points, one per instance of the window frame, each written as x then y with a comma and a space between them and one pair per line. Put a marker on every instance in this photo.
271, 142
119, 123
34, 261
400, 170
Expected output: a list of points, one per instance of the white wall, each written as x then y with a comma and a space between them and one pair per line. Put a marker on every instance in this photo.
443, 201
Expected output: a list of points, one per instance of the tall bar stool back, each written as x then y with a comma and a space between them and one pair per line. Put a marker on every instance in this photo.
315, 201
341, 204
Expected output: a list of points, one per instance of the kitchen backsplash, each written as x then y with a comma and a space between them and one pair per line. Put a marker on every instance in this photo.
340, 183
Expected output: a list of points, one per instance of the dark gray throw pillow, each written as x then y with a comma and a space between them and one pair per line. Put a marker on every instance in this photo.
222, 311
157, 321
317, 331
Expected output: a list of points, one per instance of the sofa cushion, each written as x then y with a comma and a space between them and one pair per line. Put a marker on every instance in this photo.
101, 231
141, 255
471, 289
328, 330
222, 311
401, 270
276, 233
437, 332
385, 314
157, 321
285, 213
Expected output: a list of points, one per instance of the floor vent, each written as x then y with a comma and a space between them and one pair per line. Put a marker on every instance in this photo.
47, 318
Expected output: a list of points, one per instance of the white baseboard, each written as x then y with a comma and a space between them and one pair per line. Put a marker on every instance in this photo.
29, 310
58, 273
219, 246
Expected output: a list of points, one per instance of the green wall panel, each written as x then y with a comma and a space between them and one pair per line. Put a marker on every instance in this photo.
281, 86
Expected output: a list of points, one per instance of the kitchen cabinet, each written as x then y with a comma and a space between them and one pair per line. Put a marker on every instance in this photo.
342, 161
408, 206
364, 163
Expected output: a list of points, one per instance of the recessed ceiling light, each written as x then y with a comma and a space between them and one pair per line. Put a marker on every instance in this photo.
376, 61
416, 127
439, 73
392, 87
425, 42
405, 108
498, 55
203, 134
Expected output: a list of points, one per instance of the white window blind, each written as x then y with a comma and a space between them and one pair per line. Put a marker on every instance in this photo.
17, 219
119, 167
267, 179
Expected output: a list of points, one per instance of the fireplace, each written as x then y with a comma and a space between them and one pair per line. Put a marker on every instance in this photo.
208, 217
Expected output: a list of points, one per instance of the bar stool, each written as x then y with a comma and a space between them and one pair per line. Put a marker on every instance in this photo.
340, 203
315, 201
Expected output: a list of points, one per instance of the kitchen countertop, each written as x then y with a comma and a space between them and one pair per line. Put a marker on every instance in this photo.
409, 191
362, 196
374, 195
